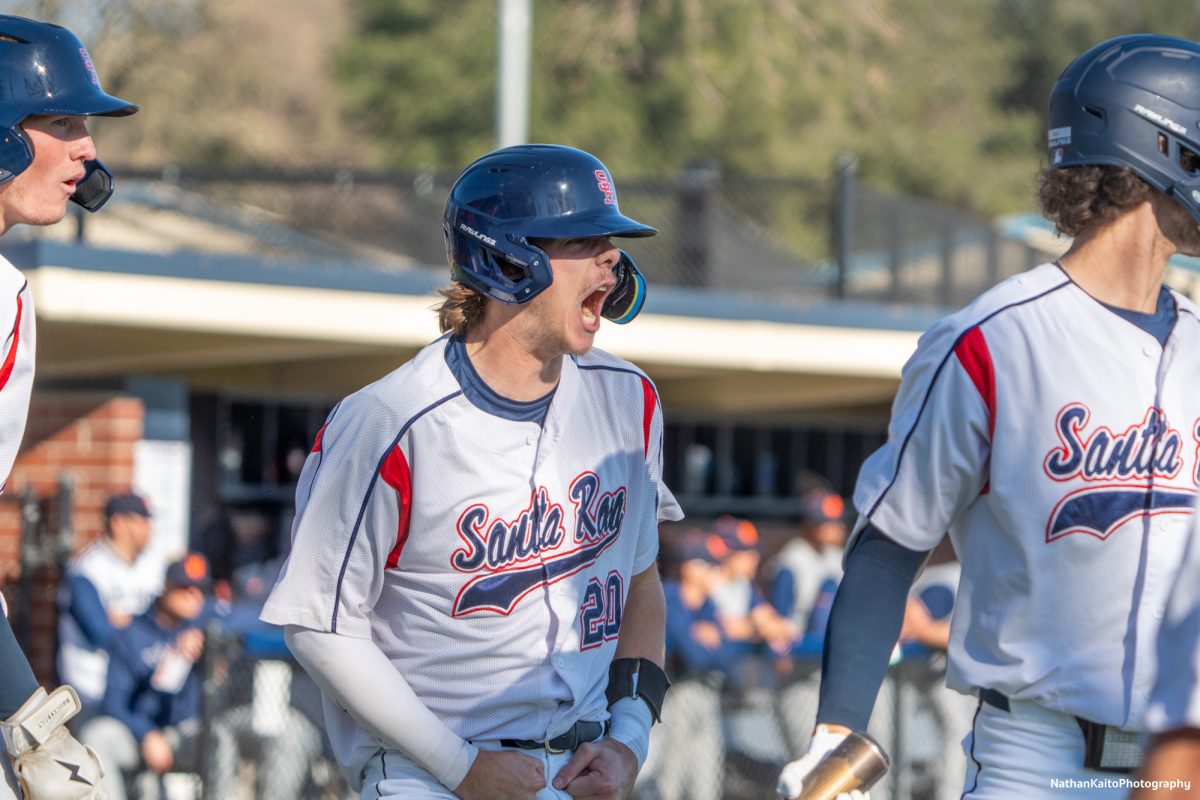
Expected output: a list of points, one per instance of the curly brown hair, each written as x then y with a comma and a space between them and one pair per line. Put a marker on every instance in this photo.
1075, 198
461, 308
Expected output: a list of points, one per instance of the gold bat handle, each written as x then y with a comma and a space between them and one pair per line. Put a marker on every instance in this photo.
858, 762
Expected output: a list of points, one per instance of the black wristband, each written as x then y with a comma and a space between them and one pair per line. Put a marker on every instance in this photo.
638, 677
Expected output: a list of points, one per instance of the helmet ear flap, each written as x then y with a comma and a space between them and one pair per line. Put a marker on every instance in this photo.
15, 153
628, 296
506, 269
95, 188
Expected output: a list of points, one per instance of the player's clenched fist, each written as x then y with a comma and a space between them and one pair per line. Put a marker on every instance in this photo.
502, 775
604, 770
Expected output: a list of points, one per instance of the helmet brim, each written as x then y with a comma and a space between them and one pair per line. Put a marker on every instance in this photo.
566, 227
94, 105
108, 106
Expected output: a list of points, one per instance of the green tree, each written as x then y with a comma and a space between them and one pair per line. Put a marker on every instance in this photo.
914, 87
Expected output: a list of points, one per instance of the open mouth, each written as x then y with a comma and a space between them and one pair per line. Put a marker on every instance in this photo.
593, 304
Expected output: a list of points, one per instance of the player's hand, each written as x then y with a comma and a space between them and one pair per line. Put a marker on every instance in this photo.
190, 644
605, 769
157, 753
502, 775
50, 763
791, 779
706, 634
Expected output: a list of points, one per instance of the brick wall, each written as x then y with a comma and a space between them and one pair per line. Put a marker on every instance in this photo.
91, 437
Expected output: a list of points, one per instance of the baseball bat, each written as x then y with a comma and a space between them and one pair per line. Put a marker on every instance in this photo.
858, 762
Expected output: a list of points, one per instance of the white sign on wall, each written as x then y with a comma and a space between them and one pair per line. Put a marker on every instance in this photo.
162, 473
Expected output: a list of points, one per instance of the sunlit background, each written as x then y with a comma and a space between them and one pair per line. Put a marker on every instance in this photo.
828, 179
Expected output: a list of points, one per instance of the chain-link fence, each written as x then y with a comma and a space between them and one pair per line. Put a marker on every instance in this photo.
723, 741
723, 737
262, 732
302, 141
782, 240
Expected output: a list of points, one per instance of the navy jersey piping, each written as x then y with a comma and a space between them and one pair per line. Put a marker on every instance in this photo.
657, 399
17, 297
321, 453
606, 367
937, 374
362, 510
627, 371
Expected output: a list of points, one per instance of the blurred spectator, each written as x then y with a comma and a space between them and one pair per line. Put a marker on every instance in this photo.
742, 609
806, 571
104, 587
262, 724
686, 757
749, 623
927, 616
153, 700
804, 577
153, 703
936, 718
242, 535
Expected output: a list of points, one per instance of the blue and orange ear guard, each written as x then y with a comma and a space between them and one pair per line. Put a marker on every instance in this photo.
629, 295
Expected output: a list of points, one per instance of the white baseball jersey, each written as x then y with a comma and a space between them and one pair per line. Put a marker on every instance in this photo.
811, 569
1175, 701
16, 362
488, 558
1057, 443
124, 588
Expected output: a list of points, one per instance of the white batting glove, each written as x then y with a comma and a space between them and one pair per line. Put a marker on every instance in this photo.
50, 764
791, 779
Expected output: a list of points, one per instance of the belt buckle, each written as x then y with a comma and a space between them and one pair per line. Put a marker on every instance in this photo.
552, 750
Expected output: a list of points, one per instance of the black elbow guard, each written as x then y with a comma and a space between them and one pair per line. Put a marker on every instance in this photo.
638, 677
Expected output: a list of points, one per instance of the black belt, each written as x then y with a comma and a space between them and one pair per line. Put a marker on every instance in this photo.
994, 699
580, 733
1106, 747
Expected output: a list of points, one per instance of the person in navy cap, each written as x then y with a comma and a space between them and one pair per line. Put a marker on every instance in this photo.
803, 578
804, 575
111, 581
152, 703
743, 609
687, 752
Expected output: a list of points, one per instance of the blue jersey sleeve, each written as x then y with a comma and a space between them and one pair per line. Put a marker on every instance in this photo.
783, 591
87, 610
691, 654
938, 601
126, 675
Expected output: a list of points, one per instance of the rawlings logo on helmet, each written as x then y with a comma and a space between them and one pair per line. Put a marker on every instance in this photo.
481, 237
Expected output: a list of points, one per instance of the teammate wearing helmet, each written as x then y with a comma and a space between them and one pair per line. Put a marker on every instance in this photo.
472, 578
48, 88
1051, 428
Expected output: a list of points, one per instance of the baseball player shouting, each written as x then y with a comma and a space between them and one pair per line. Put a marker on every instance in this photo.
48, 88
472, 579
1052, 429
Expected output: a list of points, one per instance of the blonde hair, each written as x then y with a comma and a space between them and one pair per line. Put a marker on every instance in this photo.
461, 308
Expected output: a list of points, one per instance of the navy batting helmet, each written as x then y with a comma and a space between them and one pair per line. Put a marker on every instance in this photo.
536, 191
45, 69
1133, 101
